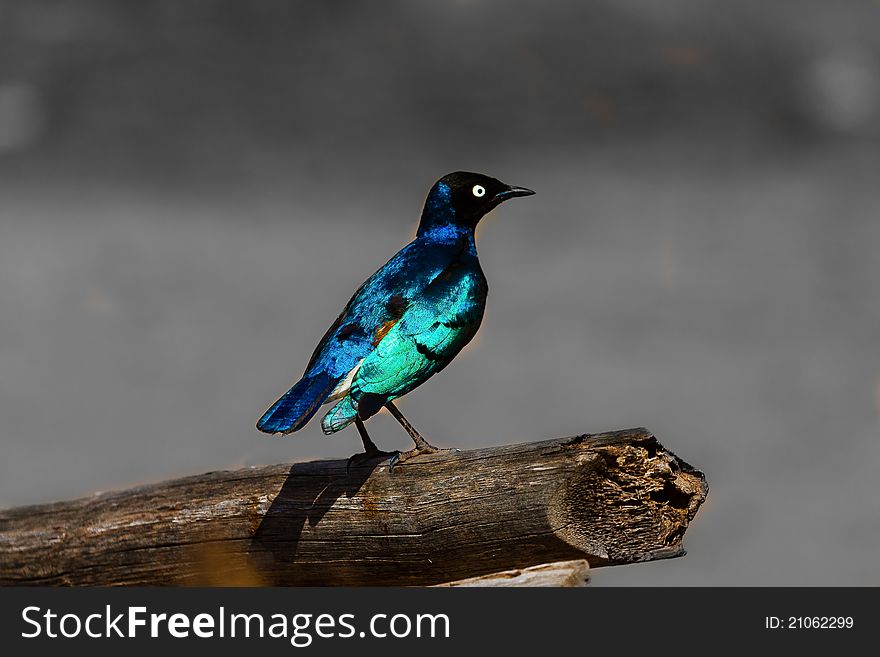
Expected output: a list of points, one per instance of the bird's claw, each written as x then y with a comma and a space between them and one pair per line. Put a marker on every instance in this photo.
359, 459
402, 457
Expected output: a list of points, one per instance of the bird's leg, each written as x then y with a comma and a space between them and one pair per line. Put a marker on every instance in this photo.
422, 445
370, 449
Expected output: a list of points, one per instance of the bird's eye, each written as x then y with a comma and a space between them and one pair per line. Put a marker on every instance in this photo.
479, 191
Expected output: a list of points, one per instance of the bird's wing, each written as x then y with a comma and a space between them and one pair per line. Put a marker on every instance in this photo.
437, 324
378, 305
368, 318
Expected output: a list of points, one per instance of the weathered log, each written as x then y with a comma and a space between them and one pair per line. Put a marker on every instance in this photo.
610, 498
574, 573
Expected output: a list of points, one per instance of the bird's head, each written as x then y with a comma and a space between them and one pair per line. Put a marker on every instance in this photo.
463, 198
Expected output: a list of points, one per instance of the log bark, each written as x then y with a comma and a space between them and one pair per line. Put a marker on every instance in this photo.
609, 498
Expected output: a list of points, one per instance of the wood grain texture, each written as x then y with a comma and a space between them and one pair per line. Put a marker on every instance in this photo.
609, 498
575, 573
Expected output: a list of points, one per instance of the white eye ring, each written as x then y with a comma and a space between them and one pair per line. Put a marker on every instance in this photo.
479, 191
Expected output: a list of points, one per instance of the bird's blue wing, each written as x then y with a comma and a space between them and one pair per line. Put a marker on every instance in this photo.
379, 303
437, 324
374, 309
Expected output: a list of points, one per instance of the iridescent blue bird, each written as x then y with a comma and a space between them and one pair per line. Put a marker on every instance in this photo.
404, 324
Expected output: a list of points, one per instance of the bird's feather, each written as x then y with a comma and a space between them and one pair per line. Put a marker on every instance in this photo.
437, 324
368, 318
297, 406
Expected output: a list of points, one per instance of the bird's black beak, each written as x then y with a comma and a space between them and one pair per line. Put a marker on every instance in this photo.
511, 192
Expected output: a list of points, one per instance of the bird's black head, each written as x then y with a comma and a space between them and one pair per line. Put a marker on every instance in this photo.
463, 198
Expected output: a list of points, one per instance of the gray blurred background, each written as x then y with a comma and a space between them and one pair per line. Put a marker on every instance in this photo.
191, 191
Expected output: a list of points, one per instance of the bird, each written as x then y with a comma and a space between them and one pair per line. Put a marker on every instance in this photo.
404, 324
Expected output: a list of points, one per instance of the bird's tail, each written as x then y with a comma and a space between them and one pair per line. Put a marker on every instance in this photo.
298, 405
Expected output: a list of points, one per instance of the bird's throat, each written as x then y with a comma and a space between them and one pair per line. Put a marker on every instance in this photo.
448, 234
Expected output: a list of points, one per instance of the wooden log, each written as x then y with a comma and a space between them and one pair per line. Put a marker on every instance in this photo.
610, 498
575, 573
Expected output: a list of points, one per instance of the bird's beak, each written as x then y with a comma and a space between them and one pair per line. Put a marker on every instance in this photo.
511, 191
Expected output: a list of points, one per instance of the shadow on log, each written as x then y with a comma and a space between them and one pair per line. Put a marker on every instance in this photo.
610, 498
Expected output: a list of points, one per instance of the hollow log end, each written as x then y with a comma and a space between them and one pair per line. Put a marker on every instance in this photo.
630, 499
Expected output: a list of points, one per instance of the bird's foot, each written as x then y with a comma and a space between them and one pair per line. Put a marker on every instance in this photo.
425, 448
358, 460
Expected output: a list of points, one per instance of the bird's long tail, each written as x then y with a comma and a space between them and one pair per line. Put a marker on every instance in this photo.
298, 405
